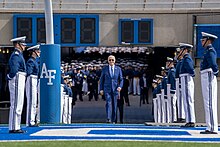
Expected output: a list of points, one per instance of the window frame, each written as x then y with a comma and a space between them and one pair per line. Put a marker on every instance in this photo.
57, 28
136, 31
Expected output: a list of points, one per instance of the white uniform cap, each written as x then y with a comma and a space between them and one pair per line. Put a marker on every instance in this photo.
66, 77
36, 47
19, 39
162, 68
207, 35
158, 76
155, 81
169, 59
185, 45
178, 49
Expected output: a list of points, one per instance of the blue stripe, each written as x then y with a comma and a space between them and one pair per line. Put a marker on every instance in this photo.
172, 112
15, 102
187, 100
139, 132
166, 112
210, 102
30, 101
180, 97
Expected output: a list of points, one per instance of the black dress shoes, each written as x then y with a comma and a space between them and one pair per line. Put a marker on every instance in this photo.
17, 131
208, 132
189, 124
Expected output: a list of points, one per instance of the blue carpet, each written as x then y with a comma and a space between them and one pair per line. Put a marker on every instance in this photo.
111, 132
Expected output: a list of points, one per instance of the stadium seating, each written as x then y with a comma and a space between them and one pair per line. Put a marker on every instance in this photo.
137, 5
101, 5
17, 4
187, 5
211, 5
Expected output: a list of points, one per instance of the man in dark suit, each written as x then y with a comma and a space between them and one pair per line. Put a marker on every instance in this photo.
111, 83
144, 89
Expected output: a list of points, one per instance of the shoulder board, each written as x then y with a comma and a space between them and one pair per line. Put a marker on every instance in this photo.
16, 53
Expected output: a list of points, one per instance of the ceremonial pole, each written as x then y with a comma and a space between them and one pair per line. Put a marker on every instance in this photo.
50, 75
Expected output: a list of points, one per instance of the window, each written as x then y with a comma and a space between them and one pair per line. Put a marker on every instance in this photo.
127, 33
136, 31
87, 30
69, 30
41, 30
24, 28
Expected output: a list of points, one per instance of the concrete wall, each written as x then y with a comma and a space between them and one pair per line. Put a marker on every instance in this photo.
169, 29
6, 29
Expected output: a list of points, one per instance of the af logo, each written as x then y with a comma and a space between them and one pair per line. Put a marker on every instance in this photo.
47, 74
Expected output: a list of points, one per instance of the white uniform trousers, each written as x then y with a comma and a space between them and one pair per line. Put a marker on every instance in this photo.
38, 102
167, 111
187, 88
155, 110
62, 93
65, 109
85, 86
180, 104
209, 92
171, 104
69, 110
136, 86
16, 89
159, 107
162, 106
31, 94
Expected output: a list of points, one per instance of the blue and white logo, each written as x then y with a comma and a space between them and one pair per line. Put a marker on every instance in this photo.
49, 74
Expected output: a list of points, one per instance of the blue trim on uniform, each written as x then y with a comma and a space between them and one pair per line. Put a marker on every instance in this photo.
210, 101
166, 112
15, 101
181, 101
172, 112
30, 102
187, 100
161, 111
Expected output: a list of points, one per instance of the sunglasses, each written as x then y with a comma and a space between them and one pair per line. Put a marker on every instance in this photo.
111, 60
202, 39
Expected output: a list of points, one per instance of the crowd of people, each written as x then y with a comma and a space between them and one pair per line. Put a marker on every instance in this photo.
173, 94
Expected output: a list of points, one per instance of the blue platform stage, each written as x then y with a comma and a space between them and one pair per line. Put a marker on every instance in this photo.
109, 132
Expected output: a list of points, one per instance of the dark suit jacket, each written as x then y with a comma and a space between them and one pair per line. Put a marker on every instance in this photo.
110, 84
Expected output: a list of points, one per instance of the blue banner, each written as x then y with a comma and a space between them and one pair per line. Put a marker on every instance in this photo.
50, 78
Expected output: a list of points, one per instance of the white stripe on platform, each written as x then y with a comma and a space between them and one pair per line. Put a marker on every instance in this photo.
83, 132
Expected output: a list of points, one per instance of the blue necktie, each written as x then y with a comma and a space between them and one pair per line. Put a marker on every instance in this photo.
112, 72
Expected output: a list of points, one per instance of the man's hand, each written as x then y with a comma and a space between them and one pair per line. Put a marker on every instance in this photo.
101, 92
119, 89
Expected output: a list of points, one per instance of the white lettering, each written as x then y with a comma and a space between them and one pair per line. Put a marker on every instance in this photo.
48, 74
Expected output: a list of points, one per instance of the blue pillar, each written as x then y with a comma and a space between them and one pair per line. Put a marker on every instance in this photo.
50, 78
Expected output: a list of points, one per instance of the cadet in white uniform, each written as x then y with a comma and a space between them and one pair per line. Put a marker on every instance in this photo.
187, 73
32, 85
209, 71
16, 82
